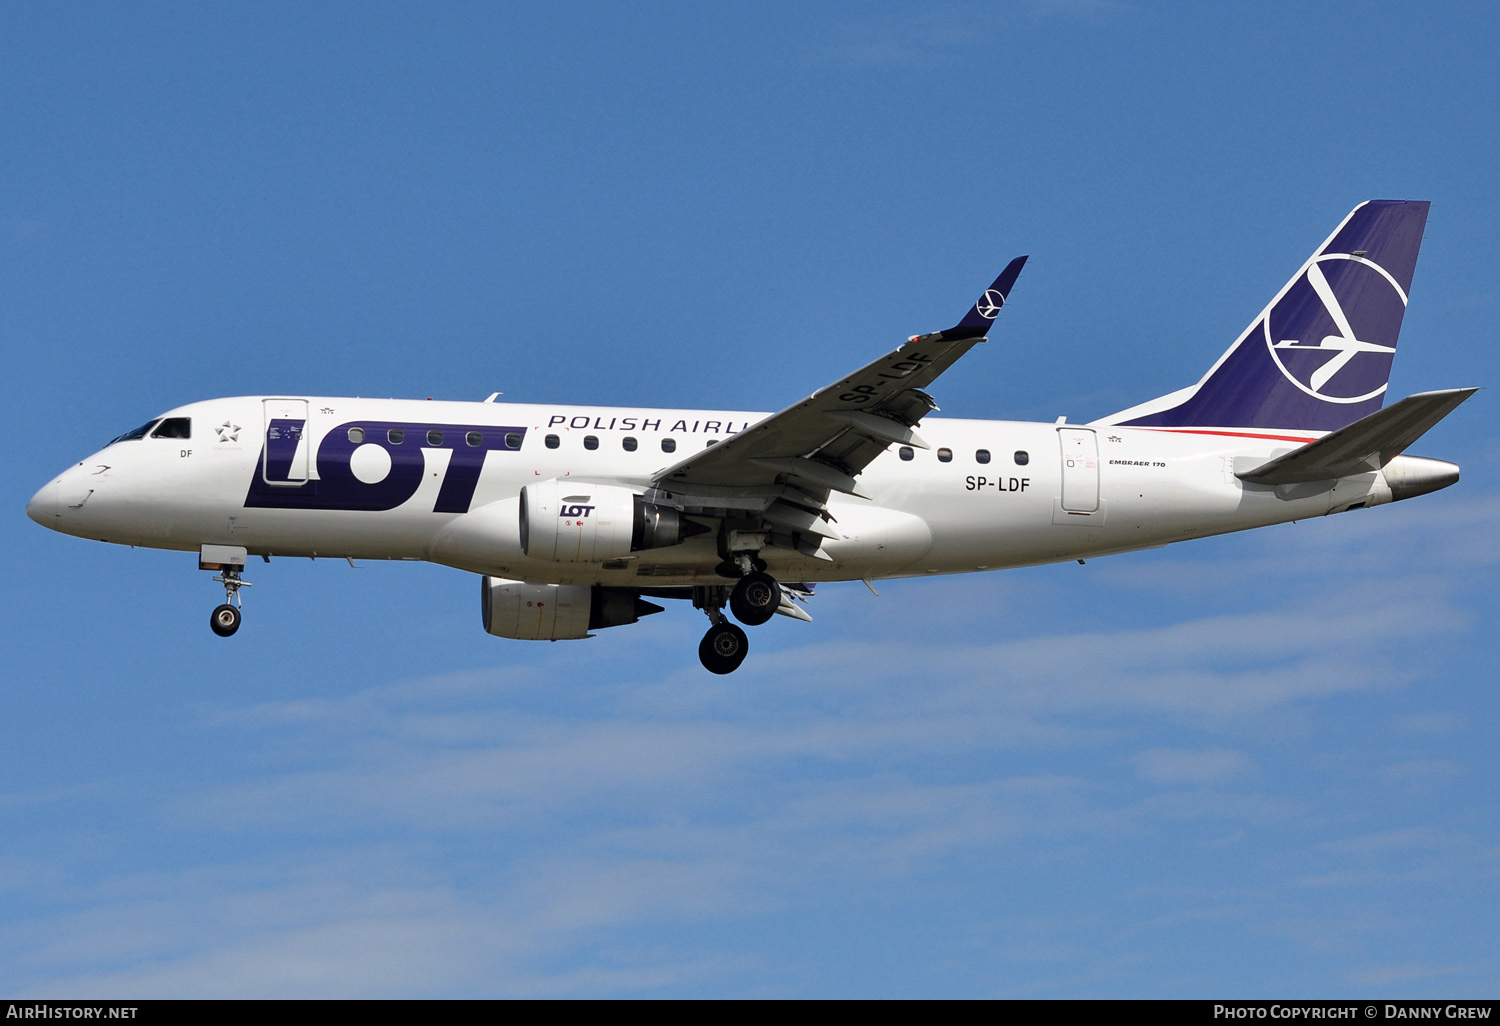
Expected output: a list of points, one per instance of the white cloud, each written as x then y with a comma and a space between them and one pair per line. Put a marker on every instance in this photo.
1177, 766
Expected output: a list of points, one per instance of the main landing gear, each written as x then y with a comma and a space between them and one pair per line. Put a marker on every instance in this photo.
724, 647
753, 601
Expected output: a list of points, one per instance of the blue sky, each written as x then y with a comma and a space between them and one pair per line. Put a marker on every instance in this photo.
1259, 765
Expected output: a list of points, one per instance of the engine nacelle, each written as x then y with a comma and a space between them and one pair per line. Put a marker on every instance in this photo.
556, 612
574, 522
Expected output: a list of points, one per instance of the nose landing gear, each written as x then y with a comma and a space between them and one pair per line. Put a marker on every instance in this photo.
229, 560
225, 619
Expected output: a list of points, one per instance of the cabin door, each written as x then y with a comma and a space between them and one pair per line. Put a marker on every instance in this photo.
1080, 469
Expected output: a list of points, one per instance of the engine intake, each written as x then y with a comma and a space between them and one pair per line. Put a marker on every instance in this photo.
557, 612
592, 523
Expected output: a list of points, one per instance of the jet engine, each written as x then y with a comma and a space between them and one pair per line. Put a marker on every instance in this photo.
557, 612
574, 522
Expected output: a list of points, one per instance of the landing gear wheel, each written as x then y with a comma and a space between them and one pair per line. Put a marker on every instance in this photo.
225, 620
755, 599
723, 648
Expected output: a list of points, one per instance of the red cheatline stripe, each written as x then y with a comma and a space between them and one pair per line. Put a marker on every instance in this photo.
1234, 434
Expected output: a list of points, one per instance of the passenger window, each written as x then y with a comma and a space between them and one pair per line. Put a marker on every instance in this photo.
628, 444
474, 438
982, 456
711, 441
905, 452
434, 438
174, 427
356, 435
1022, 457
945, 455
591, 441
395, 436
669, 445
552, 441
512, 439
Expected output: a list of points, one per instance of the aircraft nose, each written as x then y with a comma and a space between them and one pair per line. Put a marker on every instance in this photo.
44, 506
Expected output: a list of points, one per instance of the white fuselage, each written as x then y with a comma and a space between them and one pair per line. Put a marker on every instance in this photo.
1046, 492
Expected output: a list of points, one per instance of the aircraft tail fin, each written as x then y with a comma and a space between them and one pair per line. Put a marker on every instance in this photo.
1319, 355
1367, 444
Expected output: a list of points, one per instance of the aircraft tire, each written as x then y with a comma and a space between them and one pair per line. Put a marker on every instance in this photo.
755, 599
723, 648
225, 620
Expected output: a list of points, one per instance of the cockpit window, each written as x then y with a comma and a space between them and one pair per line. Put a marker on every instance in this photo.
131, 436
174, 427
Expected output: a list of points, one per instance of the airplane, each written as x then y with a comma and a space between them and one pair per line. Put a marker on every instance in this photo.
575, 517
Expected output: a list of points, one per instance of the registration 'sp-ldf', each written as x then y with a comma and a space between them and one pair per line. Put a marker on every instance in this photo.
575, 517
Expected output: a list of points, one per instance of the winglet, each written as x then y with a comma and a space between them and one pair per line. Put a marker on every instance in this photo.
976, 323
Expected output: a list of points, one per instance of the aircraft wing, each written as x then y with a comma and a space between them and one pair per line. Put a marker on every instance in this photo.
822, 443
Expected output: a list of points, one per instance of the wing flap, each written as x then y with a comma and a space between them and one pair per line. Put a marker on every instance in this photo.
886, 430
799, 518
816, 473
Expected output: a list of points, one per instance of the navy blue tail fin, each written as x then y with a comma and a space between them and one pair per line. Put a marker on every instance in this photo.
1319, 355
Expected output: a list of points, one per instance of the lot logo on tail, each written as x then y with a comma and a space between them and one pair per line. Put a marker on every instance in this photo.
1316, 344
989, 304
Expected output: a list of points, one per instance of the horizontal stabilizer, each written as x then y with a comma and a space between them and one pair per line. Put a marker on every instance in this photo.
1367, 444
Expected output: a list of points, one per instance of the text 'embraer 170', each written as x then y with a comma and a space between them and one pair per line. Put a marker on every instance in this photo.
575, 517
